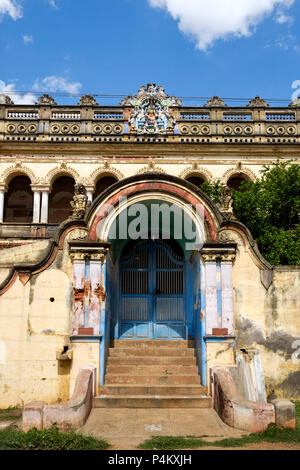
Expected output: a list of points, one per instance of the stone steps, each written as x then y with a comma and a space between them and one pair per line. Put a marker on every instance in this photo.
156, 360
156, 369
151, 351
152, 343
152, 374
192, 379
170, 390
140, 401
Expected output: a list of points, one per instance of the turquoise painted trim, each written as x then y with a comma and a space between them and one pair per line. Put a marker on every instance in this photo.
86, 311
219, 295
85, 339
104, 331
218, 339
203, 326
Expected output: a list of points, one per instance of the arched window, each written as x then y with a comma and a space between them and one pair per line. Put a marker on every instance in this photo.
59, 202
18, 206
235, 181
103, 184
196, 180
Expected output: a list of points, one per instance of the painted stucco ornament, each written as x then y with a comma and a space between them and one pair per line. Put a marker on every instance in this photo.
46, 100
80, 202
152, 112
226, 200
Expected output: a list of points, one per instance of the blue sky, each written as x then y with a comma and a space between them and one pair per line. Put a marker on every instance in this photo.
191, 47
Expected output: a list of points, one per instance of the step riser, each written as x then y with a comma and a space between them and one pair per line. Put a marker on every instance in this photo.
119, 344
132, 360
159, 380
136, 352
167, 370
152, 403
151, 390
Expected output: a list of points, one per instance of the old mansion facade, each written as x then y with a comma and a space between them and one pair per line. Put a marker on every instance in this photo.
68, 288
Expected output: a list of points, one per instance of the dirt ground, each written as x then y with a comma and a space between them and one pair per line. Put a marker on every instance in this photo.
132, 444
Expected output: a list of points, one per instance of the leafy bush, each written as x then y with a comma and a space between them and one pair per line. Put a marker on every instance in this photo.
270, 208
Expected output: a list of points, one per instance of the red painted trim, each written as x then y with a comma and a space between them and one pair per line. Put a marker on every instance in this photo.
11, 282
143, 187
45, 266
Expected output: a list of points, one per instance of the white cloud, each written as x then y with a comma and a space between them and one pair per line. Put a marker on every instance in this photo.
283, 18
53, 3
207, 21
54, 84
17, 98
12, 8
27, 39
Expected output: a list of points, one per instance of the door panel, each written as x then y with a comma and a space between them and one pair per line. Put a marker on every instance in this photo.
152, 303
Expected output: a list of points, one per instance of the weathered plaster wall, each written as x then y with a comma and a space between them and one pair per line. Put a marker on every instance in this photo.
268, 318
34, 324
84, 354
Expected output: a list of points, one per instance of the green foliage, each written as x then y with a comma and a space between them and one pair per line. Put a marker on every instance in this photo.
48, 439
213, 190
270, 209
10, 414
272, 434
169, 442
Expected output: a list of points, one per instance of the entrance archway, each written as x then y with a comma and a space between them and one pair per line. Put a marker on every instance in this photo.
152, 302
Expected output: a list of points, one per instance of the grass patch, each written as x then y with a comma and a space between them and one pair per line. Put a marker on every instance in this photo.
48, 439
10, 414
169, 442
273, 434
297, 403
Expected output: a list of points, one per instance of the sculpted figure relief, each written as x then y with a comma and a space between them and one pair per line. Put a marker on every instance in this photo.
226, 200
80, 202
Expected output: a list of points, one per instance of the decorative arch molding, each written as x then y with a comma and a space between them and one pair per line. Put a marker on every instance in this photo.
148, 186
99, 173
17, 170
62, 170
196, 171
151, 168
238, 172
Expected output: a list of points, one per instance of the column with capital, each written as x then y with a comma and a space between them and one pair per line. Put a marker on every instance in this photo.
36, 207
97, 272
90, 196
211, 293
2, 196
78, 310
45, 207
227, 292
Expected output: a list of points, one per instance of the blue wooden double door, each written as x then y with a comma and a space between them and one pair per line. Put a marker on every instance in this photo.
152, 302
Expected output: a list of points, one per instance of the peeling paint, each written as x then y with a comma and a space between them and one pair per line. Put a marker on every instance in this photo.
291, 385
278, 341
